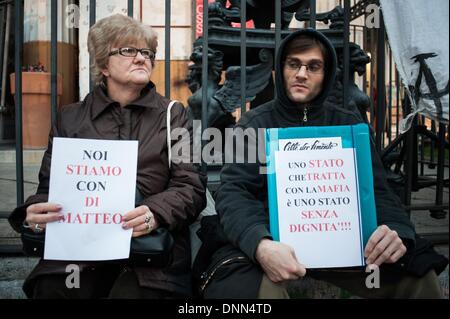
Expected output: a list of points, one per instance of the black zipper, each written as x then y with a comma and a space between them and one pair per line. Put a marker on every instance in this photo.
207, 277
305, 114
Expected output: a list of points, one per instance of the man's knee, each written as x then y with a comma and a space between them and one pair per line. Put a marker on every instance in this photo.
271, 290
426, 287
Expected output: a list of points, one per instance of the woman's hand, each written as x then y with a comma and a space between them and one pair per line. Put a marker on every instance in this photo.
141, 219
38, 215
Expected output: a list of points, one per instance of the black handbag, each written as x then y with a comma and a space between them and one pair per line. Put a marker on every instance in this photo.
153, 250
32, 243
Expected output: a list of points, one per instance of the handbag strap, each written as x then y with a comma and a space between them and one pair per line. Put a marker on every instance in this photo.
169, 141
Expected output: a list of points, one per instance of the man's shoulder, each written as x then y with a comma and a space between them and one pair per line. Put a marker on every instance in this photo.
258, 117
343, 115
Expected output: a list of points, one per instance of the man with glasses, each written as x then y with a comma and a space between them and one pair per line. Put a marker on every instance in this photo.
251, 264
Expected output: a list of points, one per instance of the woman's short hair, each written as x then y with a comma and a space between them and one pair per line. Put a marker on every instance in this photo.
116, 31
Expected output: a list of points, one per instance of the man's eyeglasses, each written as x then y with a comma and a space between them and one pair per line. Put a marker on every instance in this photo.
132, 52
312, 67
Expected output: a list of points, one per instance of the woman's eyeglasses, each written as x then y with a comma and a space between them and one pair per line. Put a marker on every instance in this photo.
131, 52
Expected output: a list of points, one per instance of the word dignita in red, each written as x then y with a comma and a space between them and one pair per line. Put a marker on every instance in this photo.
320, 227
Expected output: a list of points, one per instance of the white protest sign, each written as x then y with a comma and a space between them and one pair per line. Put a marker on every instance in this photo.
317, 198
95, 182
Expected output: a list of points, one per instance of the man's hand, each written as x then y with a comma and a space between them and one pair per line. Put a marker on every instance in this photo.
384, 246
278, 261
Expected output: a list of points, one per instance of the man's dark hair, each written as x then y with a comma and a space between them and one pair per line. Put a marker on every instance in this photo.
305, 42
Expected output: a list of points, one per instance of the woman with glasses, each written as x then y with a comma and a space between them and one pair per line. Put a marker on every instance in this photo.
123, 105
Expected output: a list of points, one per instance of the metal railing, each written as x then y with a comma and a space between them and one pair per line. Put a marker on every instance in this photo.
387, 135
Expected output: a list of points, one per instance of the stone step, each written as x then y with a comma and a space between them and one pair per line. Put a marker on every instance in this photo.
29, 156
11, 289
16, 268
13, 272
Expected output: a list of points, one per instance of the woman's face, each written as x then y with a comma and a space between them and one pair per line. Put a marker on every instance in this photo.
126, 71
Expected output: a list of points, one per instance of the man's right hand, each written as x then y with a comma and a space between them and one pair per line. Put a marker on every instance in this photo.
278, 261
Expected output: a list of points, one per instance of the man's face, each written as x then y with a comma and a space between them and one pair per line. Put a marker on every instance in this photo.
303, 83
